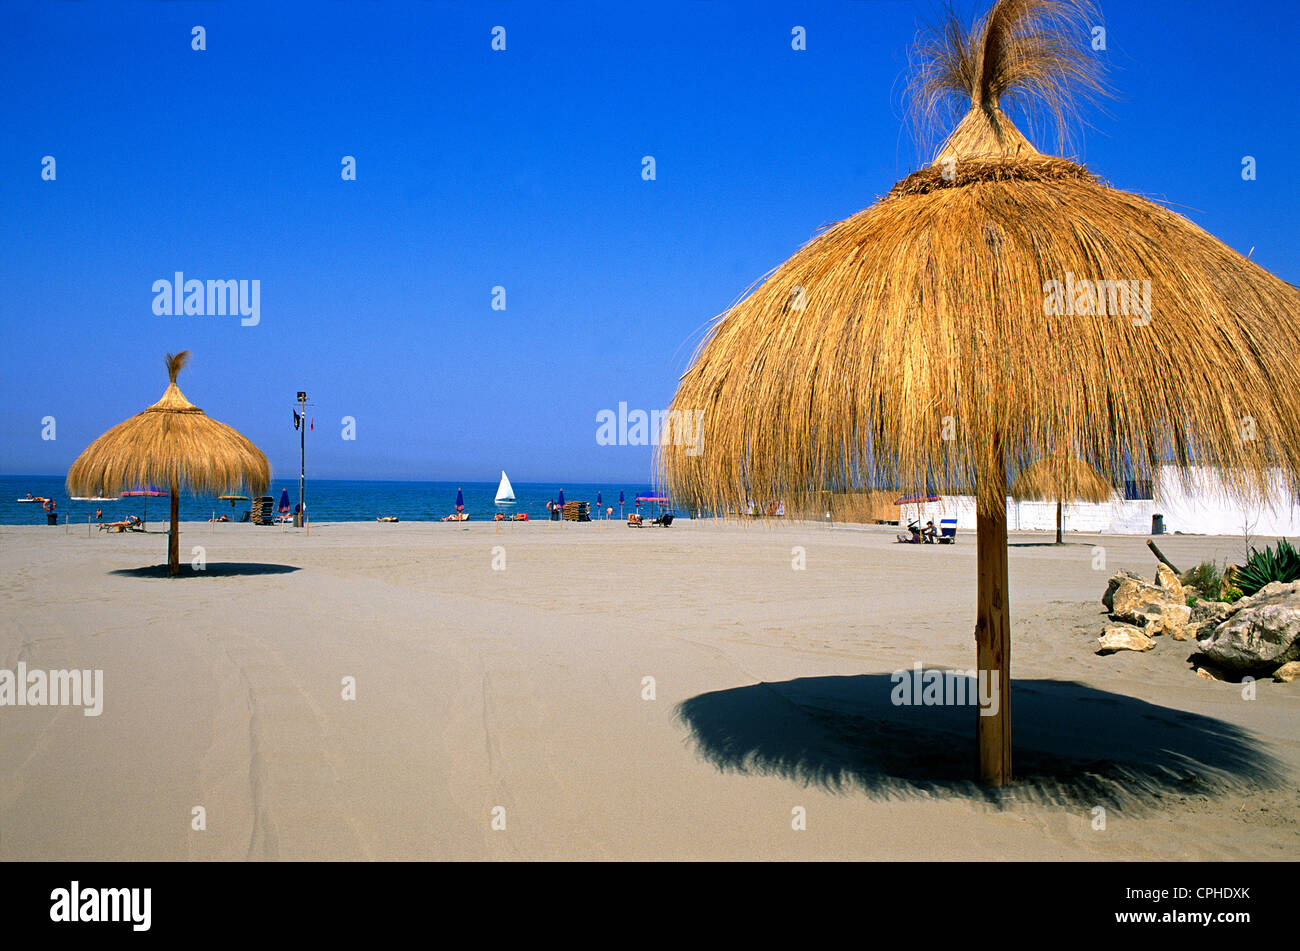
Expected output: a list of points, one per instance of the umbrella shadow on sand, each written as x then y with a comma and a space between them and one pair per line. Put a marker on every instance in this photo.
219, 569
1073, 745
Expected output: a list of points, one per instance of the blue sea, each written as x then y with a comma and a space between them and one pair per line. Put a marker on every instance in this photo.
328, 500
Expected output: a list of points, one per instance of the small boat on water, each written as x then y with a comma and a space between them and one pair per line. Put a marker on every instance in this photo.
88, 498
505, 491
41, 498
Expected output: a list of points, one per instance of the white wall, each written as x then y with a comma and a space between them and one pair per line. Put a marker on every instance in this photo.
1203, 508
1116, 517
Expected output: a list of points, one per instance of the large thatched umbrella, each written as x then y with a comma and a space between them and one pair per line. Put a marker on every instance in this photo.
1059, 478
171, 443
952, 332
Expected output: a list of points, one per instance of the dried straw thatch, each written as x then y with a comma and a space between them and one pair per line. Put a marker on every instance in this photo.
1061, 477
953, 331
172, 443
922, 341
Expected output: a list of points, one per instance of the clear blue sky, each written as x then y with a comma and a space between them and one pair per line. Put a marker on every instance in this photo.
519, 168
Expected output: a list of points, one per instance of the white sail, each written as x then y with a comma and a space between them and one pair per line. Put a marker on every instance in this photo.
505, 491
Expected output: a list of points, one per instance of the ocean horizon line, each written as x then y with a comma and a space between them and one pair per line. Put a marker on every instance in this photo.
294, 478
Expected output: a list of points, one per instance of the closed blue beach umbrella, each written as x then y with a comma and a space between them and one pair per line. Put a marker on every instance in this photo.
560, 500
460, 501
284, 502
597, 500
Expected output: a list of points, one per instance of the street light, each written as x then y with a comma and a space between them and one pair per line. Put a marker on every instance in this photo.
302, 461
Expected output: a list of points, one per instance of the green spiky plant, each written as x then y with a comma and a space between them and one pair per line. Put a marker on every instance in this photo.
1272, 564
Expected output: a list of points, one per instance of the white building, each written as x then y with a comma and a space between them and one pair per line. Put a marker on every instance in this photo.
1201, 507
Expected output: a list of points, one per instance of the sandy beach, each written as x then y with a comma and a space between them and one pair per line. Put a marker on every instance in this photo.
515, 694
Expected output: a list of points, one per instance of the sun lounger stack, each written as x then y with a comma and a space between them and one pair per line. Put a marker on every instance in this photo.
263, 509
575, 511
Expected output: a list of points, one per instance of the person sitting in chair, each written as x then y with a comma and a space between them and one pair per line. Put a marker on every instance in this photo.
929, 533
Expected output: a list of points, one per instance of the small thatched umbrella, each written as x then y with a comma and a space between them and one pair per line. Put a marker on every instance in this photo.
1058, 478
171, 443
953, 331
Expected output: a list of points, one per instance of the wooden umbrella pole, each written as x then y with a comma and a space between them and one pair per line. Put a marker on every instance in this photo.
174, 542
993, 636
1060, 524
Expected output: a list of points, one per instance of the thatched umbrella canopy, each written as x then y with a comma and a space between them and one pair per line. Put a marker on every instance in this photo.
955, 330
171, 443
1060, 478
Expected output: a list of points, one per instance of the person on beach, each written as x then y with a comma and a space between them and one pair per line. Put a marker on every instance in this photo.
929, 533
99, 515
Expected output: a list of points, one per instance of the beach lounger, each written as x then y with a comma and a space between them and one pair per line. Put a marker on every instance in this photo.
635, 521
112, 526
665, 520
947, 531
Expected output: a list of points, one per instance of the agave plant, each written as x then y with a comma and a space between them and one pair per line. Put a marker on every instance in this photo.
1262, 567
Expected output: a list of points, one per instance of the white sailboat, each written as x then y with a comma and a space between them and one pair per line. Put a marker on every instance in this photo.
505, 491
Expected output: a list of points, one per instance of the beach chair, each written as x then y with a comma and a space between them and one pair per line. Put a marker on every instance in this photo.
112, 526
665, 520
634, 520
947, 531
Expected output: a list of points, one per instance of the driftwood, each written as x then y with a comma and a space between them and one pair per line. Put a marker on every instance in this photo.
1161, 557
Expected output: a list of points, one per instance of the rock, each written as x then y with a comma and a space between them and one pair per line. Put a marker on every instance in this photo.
1287, 672
1208, 672
1165, 578
1270, 591
1135, 602
1228, 579
1122, 637
1261, 635
1158, 617
1207, 610
1107, 599
1174, 620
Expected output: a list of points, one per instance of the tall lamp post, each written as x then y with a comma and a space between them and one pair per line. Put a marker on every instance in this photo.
302, 461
